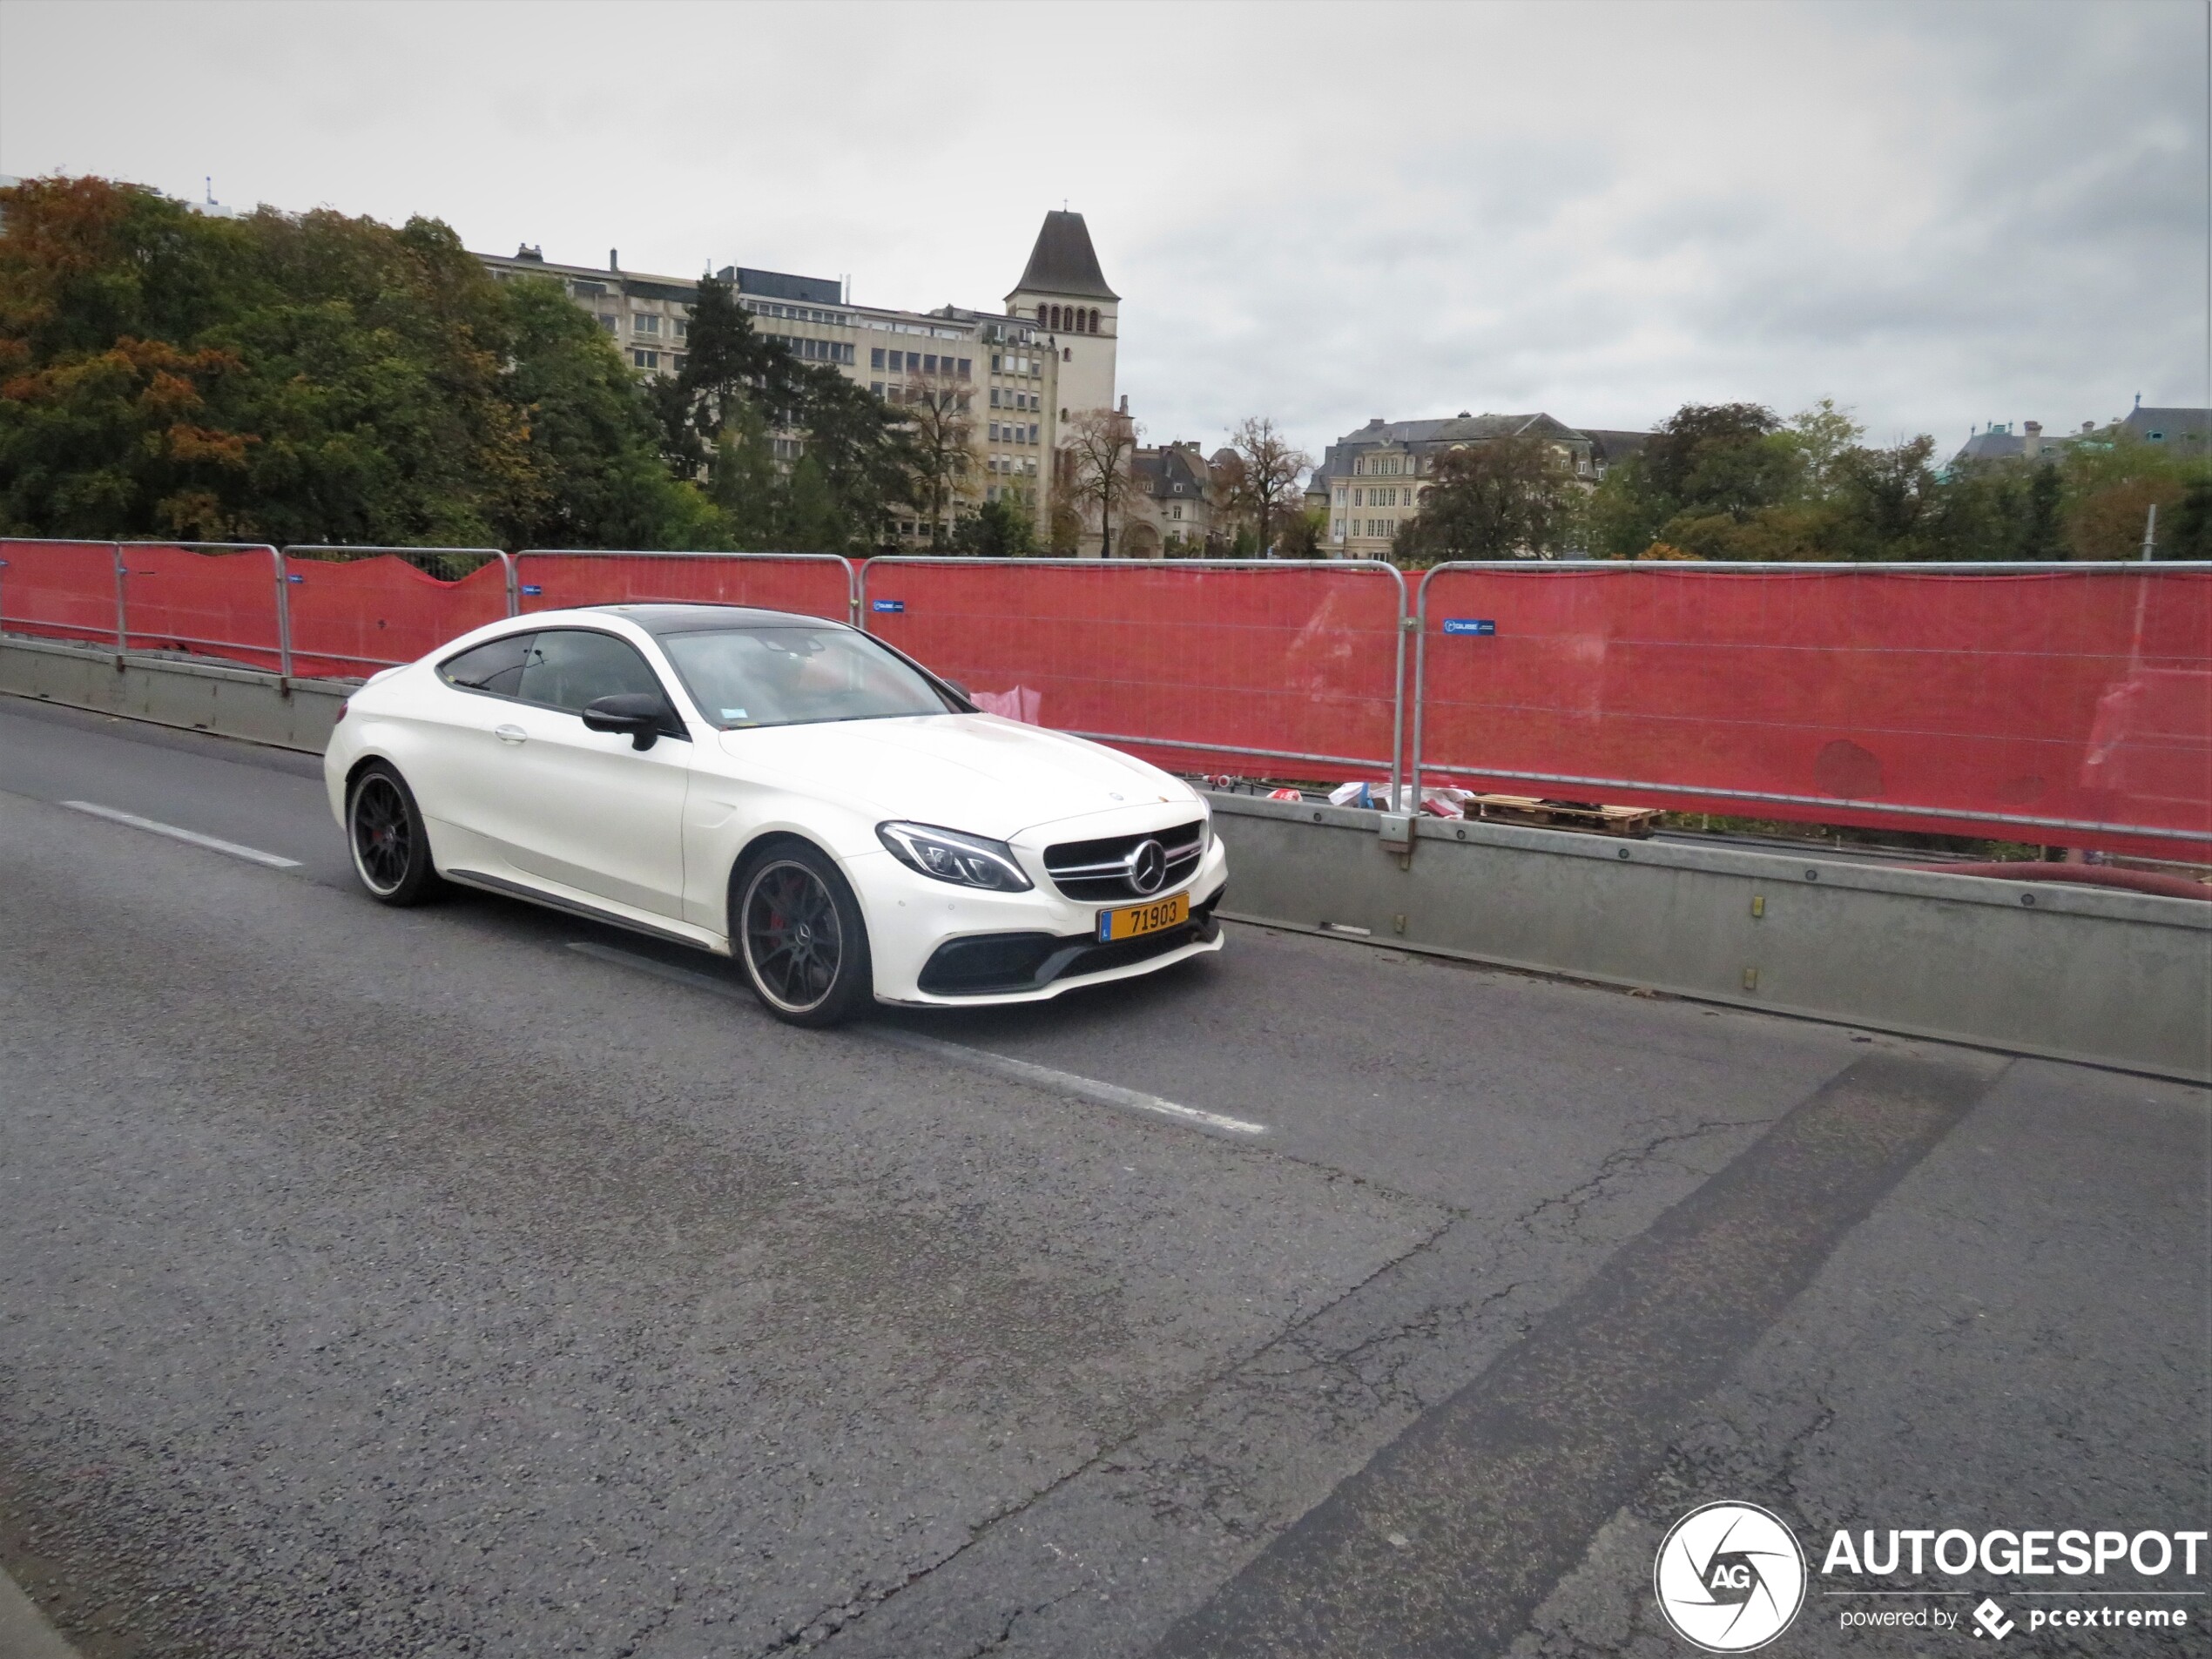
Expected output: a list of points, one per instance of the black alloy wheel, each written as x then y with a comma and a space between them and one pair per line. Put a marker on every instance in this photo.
801, 938
391, 848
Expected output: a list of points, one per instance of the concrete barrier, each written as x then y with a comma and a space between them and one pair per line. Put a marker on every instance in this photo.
169, 690
2111, 978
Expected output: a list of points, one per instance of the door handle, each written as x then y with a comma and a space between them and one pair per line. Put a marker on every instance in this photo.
508, 733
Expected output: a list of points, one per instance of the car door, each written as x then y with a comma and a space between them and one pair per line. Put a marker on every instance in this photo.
583, 810
456, 763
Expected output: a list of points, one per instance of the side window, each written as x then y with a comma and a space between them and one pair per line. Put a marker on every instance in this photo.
495, 666
568, 668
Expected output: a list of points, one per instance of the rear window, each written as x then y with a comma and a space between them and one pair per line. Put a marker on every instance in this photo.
494, 666
798, 676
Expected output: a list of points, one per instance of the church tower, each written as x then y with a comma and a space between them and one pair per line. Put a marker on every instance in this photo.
1064, 294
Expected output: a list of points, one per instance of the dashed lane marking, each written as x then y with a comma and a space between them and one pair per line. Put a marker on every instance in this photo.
251, 854
996, 1065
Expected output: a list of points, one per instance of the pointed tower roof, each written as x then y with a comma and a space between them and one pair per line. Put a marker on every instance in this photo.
1064, 262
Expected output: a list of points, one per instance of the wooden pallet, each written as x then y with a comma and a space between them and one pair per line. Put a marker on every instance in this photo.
1634, 821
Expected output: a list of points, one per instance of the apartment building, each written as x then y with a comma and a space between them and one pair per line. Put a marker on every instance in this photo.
1169, 507
1370, 482
1020, 375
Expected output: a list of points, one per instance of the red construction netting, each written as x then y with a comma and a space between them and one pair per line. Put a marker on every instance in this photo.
59, 589
1280, 668
352, 615
212, 602
2079, 699
811, 584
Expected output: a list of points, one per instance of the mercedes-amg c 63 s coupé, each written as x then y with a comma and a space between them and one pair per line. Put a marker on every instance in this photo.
788, 790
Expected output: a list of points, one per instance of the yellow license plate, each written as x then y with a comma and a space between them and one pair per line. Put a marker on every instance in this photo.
1131, 921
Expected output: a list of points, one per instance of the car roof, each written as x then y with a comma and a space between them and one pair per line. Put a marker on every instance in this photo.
694, 618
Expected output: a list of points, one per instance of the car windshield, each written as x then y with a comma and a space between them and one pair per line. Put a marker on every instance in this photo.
796, 676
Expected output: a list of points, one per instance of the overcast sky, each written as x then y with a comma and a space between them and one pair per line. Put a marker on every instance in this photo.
1938, 215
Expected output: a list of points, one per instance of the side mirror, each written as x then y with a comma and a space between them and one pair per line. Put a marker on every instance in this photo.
639, 714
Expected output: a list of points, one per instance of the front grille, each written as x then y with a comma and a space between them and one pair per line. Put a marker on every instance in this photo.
1098, 872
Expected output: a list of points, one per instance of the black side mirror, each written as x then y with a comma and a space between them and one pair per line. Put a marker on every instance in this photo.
639, 713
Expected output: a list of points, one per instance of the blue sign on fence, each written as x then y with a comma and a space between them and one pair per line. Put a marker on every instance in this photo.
294, 575
1469, 626
532, 589
895, 606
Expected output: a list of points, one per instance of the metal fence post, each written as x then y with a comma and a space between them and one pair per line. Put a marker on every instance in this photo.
1398, 706
122, 624
514, 589
855, 585
1420, 667
284, 623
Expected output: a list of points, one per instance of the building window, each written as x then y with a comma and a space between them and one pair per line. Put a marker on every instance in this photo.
875, 359
607, 321
645, 359
963, 369
913, 362
683, 329
644, 325
876, 385
677, 360
1336, 531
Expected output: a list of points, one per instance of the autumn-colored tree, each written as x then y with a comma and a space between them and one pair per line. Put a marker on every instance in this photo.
305, 379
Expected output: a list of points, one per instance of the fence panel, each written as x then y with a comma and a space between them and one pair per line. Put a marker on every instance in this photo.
1280, 667
356, 610
207, 598
59, 589
2066, 705
814, 585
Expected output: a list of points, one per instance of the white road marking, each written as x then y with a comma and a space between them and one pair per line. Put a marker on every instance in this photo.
996, 1065
251, 854
1066, 1082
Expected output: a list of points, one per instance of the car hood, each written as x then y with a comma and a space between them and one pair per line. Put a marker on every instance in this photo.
978, 772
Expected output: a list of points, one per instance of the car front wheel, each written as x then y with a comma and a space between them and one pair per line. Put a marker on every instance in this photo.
391, 847
801, 938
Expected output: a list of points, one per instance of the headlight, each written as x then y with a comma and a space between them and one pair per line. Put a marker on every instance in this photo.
965, 861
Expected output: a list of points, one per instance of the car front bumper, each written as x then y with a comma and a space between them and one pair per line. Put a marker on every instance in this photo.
937, 946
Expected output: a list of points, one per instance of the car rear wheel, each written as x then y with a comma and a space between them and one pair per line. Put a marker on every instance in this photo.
801, 939
391, 847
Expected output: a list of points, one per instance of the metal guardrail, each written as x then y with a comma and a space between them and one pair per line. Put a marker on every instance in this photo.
852, 578
1407, 764
1345, 567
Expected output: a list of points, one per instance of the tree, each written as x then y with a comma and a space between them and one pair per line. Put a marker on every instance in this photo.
1265, 486
309, 378
1818, 437
997, 530
1498, 499
1100, 445
943, 438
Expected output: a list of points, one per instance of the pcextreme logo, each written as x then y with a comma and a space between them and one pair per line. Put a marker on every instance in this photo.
1729, 1577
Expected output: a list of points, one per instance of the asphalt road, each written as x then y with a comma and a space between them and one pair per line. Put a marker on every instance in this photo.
416, 1283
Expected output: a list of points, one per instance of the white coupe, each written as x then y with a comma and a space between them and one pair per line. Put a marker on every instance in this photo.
785, 790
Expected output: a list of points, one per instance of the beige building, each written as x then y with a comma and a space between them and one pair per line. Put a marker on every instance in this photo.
1169, 507
1031, 368
1370, 482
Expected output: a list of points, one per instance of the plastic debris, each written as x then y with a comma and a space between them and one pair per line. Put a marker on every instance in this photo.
1285, 794
1020, 703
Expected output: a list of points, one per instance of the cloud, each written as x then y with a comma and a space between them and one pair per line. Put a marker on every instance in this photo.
1935, 214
